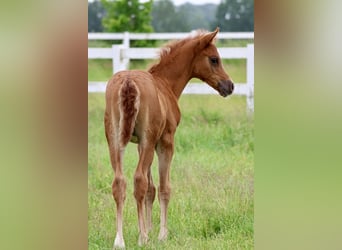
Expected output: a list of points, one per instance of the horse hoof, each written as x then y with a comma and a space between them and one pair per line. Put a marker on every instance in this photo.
142, 240
162, 235
118, 247
118, 244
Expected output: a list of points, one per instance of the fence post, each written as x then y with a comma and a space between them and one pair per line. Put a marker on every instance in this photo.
126, 39
250, 78
117, 64
125, 45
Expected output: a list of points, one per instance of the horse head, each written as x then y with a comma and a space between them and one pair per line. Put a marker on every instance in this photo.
208, 65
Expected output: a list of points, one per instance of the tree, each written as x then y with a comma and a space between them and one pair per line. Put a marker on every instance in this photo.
197, 16
165, 17
95, 14
127, 15
169, 18
235, 15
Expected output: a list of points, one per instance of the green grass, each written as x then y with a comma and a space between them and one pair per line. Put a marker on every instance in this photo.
99, 69
212, 173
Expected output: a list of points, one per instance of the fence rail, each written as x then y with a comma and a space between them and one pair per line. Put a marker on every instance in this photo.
152, 53
163, 36
121, 55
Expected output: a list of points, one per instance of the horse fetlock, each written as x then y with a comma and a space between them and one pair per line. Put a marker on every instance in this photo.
143, 239
149, 226
164, 194
163, 234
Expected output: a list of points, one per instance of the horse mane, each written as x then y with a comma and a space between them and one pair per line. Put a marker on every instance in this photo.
171, 49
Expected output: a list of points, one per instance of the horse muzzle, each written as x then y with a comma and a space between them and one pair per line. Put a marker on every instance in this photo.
225, 87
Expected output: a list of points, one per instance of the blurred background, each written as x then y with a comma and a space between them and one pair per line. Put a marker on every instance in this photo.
170, 15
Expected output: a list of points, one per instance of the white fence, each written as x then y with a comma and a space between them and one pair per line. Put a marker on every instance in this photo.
121, 55
127, 36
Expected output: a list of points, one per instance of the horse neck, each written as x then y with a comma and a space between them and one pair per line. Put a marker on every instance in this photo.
176, 75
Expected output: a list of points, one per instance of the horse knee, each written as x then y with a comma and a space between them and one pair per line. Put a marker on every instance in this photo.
119, 189
164, 193
140, 186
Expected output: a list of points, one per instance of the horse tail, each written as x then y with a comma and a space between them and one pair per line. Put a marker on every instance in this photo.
129, 103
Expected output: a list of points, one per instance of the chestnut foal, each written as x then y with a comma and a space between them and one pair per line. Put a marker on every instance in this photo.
142, 107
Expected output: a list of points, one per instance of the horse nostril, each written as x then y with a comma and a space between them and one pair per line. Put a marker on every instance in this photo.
225, 87
231, 85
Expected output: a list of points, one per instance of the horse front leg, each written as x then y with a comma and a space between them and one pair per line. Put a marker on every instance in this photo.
150, 196
164, 150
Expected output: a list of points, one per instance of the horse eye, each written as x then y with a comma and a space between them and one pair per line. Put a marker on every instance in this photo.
214, 60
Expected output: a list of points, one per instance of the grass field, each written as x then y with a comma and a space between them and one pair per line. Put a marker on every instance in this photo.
212, 177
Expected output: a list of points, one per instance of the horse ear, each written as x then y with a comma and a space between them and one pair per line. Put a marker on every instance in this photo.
208, 38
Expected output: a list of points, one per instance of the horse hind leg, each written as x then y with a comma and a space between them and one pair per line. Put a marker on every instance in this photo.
119, 182
119, 194
118, 132
141, 187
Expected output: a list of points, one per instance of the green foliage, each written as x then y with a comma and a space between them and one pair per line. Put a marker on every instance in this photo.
95, 14
170, 18
128, 15
165, 17
197, 16
211, 177
235, 15
99, 69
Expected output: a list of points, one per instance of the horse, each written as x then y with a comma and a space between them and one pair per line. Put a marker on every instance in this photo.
142, 107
